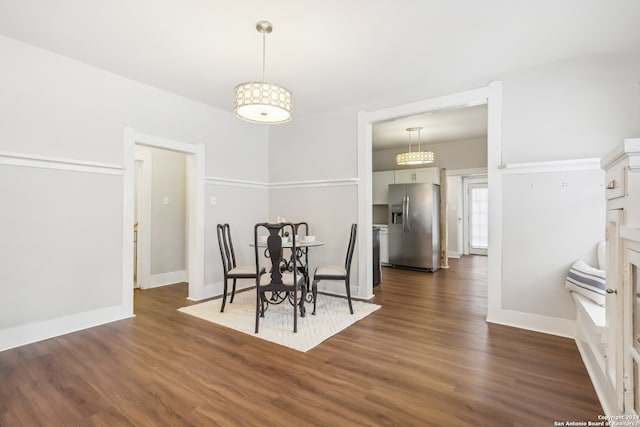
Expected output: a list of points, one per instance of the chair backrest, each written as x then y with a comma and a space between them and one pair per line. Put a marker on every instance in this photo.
301, 228
274, 250
350, 249
226, 247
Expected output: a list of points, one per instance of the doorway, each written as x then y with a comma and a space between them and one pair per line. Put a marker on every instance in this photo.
490, 95
159, 217
194, 204
476, 223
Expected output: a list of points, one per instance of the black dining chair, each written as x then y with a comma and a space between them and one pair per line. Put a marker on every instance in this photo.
333, 272
284, 280
230, 268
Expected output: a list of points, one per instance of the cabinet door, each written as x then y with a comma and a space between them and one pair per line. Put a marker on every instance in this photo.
380, 187
631, 328
427, 175
384, 247
613, 305
404, 176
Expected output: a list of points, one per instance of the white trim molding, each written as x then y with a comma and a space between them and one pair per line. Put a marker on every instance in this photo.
534, 322
235, 182
58, 163
282, 185
317, 183
170, 278
552, 166
45, 329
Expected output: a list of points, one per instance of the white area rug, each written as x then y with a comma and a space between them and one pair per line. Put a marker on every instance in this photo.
332, 316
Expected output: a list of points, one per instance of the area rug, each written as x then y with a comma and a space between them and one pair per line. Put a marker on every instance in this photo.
332, 316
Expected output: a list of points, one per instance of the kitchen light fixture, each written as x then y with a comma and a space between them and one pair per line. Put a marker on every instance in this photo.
262, 102
414, 157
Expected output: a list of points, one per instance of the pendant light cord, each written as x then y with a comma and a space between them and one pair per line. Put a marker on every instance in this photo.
264, 54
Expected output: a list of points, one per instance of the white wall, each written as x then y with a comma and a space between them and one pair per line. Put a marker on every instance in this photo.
241, 206
313, 164
579, 108
168, 221
66, 221
572, 109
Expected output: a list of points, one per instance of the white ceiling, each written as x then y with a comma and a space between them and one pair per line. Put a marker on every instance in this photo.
331, 54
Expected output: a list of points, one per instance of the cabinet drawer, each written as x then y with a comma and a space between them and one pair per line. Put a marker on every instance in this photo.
615, 183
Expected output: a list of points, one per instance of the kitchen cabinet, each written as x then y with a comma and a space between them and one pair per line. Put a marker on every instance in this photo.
618, 378
380, 186
384, 245
420, 175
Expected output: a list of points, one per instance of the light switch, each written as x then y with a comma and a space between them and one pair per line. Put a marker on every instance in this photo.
166, 200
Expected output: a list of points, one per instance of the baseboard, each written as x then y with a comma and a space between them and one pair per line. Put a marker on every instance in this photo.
33, 332
534, 322
452, 254
169, 278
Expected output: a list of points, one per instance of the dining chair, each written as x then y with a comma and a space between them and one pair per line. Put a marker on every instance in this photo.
333, 272
283, 280
230, 269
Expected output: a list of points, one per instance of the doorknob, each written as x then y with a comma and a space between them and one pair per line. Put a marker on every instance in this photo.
612, 291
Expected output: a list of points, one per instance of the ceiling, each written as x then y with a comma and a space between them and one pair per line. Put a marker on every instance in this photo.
331, 54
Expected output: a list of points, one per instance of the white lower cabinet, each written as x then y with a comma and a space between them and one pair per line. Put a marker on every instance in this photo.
384, 245
620, 391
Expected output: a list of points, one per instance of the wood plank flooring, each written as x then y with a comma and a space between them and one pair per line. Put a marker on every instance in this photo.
426, 358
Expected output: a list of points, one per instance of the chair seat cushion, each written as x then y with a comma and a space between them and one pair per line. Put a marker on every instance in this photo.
330, 270
287, 279
243, 271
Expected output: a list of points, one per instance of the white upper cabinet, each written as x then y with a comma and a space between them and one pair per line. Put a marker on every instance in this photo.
380, 181
421, 175
380, 187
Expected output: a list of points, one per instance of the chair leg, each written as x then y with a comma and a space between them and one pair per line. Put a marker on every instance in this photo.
314, 291
295, 313
303, 310
224, 295
346, 283
258, 302
233, 291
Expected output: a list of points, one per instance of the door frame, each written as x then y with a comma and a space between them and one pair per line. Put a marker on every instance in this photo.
195, 156
143, 201
490, 95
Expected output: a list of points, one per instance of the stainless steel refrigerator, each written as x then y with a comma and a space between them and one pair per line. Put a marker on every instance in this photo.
414, 224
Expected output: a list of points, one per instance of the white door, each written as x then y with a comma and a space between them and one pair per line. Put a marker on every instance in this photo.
478, 202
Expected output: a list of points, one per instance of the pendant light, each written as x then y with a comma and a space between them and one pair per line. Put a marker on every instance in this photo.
414, 157
262, 102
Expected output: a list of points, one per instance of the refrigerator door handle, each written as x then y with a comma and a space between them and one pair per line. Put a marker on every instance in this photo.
404, 211
406, 215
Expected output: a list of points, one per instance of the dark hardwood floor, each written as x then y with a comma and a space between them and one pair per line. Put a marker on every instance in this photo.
426, 358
